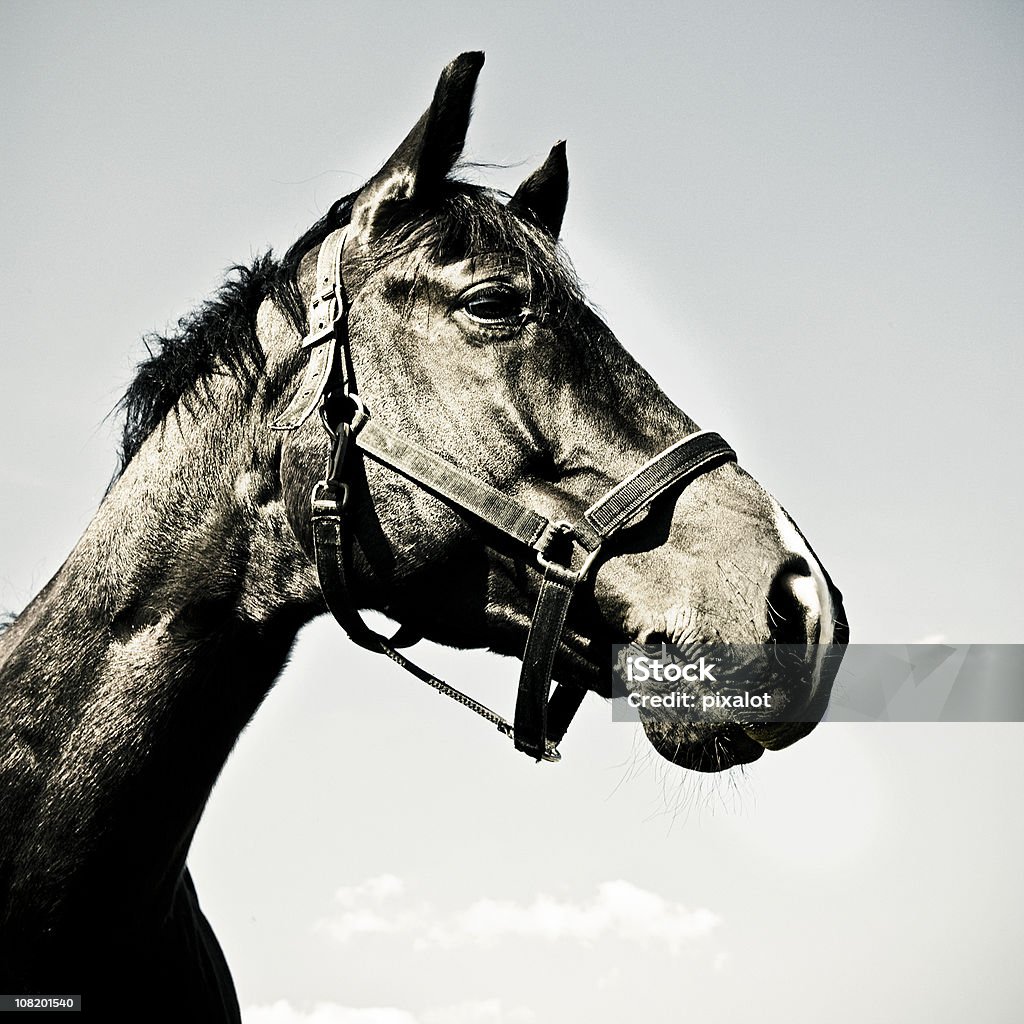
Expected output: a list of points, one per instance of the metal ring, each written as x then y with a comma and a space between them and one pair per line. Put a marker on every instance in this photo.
360, 413
328, 498
563, 526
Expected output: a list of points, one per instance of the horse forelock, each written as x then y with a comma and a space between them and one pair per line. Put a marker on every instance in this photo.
468, 220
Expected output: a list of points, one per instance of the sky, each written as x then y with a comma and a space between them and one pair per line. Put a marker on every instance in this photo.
806, 220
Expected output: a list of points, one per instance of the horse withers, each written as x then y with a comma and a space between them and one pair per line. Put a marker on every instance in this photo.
440, 336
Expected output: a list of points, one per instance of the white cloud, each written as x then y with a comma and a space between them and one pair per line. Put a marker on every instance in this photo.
362, 913
481, 1011
283, 1012
618, 910
484, 1011
376, 889
478, 1012
350, 923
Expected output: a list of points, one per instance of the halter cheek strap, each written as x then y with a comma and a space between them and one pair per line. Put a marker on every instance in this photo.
326, 316
565, 552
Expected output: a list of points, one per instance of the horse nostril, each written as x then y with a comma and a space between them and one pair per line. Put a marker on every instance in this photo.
652, 637
794, 608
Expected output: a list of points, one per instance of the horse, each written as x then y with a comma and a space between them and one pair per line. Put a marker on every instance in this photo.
415, 411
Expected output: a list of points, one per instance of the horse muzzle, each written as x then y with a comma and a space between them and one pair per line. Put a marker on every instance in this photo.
797, 678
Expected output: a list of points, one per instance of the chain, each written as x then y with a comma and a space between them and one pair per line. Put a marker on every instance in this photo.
442, 687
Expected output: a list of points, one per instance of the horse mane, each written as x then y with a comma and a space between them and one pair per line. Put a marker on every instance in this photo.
220, 335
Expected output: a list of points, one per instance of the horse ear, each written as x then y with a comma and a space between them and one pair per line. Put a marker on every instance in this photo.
546, 191
426, 156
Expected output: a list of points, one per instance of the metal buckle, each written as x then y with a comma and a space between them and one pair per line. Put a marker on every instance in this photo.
327, 320
550, 752
328, 290
330, 495
563, 527
360, 414
328, 499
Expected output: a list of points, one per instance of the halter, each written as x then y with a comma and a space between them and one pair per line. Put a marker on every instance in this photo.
565, 552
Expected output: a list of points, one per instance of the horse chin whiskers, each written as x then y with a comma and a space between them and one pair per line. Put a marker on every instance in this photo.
688, 795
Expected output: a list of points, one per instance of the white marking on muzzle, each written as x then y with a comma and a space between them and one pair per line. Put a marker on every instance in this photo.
813, 592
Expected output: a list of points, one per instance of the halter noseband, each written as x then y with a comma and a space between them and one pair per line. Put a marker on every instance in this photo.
565, 551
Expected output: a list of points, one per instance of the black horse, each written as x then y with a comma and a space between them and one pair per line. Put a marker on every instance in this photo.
127, 680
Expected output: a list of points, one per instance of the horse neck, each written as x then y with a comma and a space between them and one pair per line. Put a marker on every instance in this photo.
125, 683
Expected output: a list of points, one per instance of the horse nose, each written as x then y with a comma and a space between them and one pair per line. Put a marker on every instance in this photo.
794, 605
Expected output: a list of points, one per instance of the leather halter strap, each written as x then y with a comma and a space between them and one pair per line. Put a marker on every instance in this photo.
565, 551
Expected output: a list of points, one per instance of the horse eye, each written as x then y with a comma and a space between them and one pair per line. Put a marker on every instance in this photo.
495, 306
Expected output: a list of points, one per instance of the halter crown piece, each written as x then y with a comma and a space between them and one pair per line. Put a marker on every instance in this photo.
564, 551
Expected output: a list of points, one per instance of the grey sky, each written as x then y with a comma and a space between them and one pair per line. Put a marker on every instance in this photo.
806, 220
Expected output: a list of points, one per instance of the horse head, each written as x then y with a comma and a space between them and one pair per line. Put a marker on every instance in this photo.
467, 335
495, 471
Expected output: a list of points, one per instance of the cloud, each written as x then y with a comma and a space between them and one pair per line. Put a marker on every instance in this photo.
619, 910
485, 1011
377, 889
283, 1012
362, 913
481, 1011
